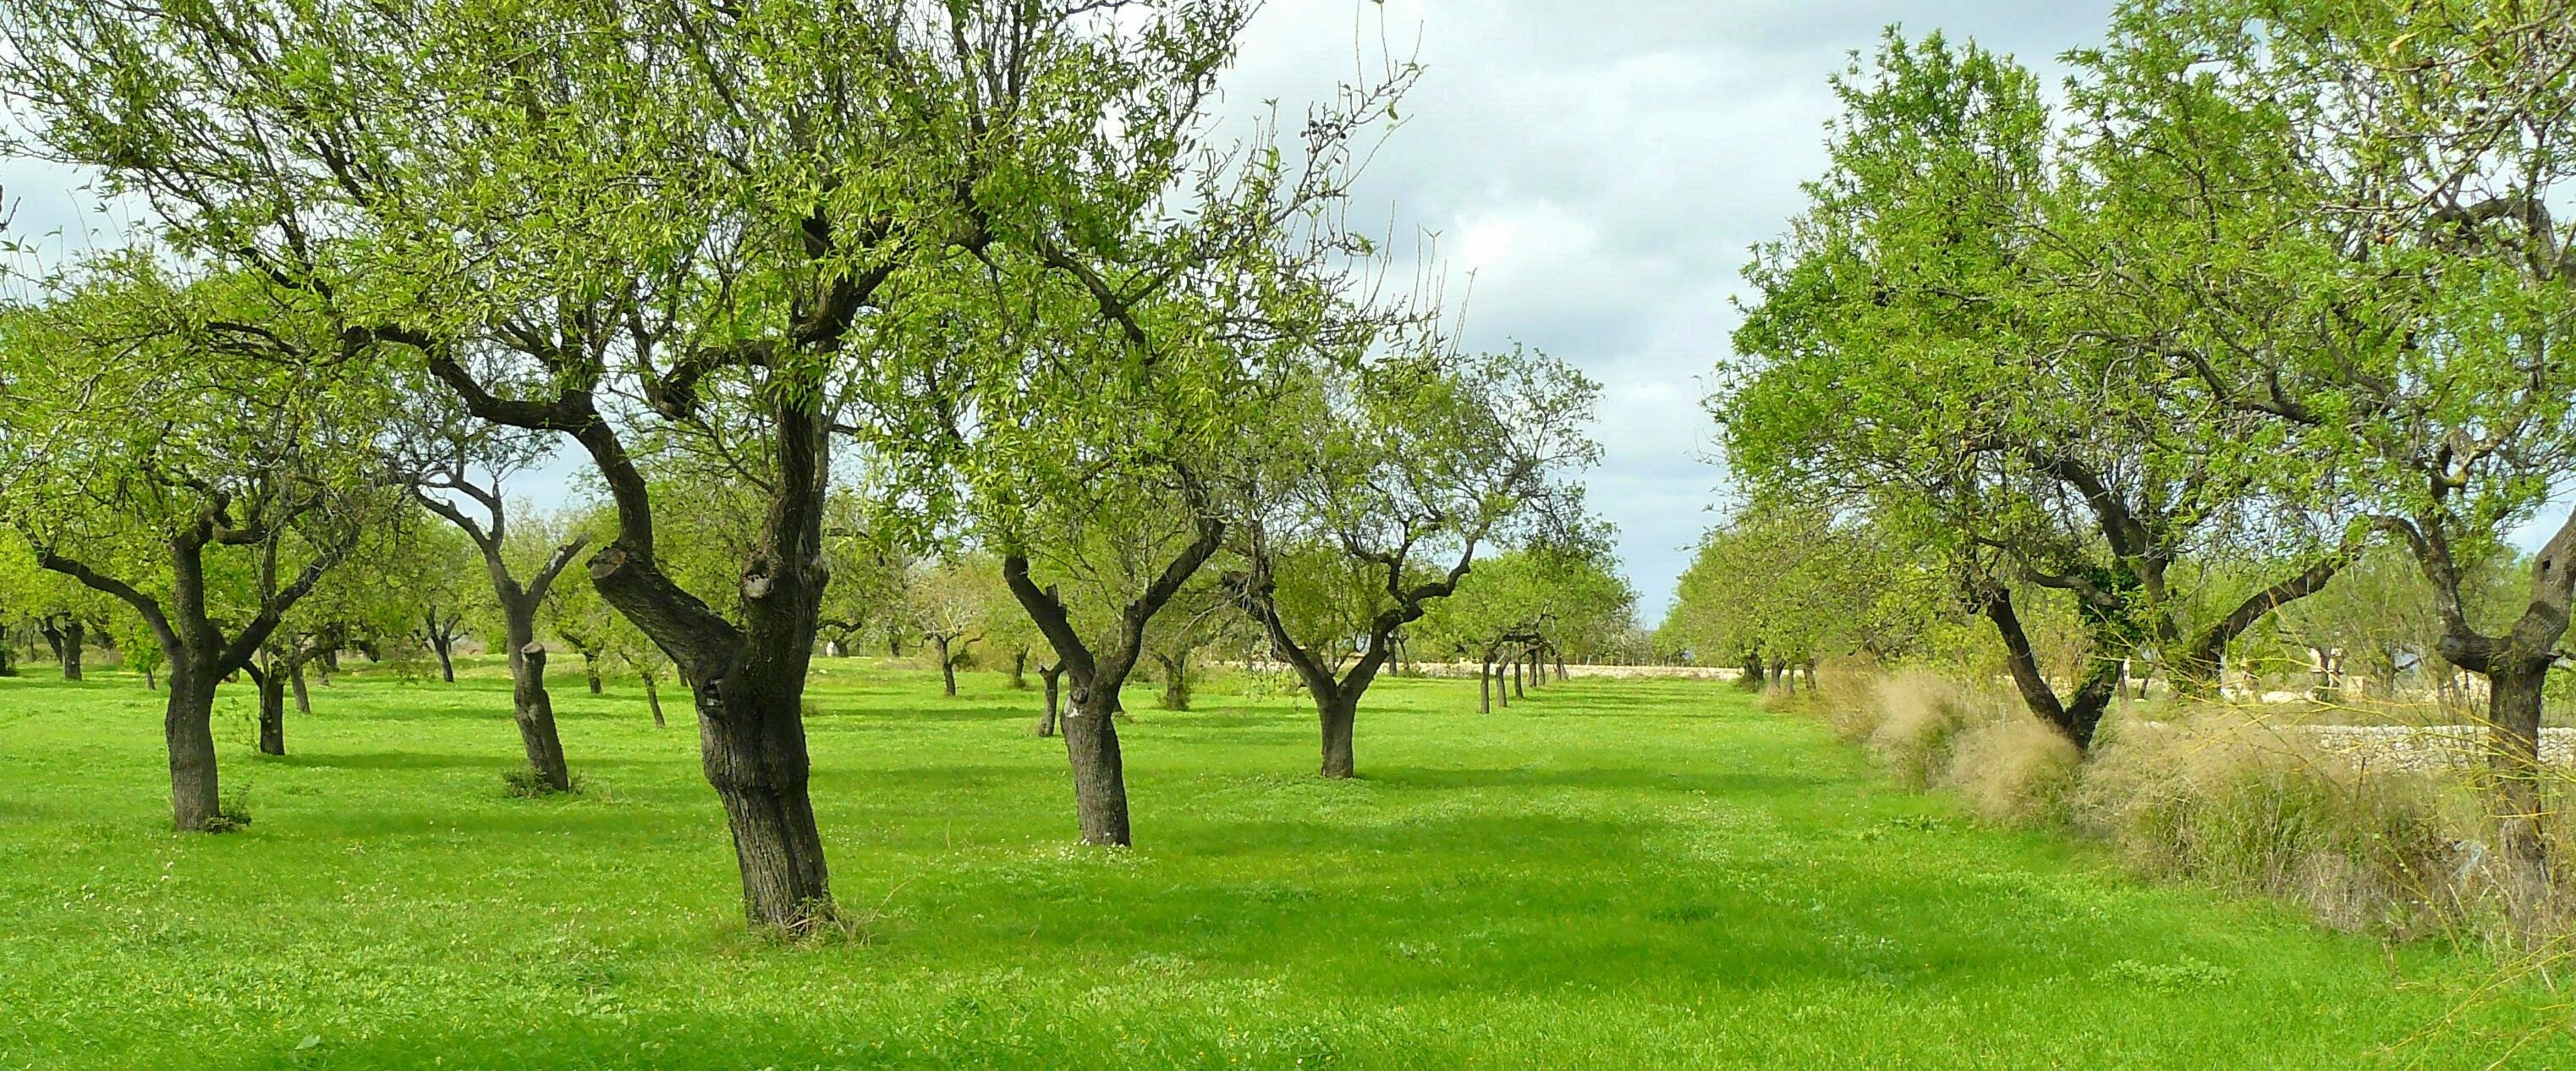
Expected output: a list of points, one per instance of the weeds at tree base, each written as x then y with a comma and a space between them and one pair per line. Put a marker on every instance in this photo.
526, 785
232, 812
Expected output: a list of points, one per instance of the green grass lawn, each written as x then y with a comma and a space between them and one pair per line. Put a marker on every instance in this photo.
1616, 875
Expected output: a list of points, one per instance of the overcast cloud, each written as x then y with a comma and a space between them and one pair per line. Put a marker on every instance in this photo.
1599, 167
1602, 168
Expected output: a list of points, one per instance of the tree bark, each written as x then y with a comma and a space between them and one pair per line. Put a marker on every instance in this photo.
295, 681
271, 685
947, 666
653, 698
1518, 661
188, 728
1099, 767
1176, 681
1337, 718
75, 636
1019, 671
590, 673
2077, 722
1051, 674
1485, 686
534, 711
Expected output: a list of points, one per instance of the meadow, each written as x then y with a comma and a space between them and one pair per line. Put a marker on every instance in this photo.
1611, 874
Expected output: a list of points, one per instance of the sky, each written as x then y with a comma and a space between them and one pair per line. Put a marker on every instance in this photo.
1596, 173
1592, 175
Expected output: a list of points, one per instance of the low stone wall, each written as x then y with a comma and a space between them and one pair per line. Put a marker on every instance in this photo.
2427, 747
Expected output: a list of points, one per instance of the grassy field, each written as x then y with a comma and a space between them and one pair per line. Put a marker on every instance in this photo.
1613, 875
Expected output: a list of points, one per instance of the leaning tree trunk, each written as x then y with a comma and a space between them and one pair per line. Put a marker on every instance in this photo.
443, 646
1099, 770
295, 682
188, 726
1052, 675
653, 698
271, 684
534, 710
2077, 721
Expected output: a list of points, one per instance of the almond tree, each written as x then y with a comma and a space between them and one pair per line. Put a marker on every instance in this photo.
690, 228
452, 455
1386, 487
200, 449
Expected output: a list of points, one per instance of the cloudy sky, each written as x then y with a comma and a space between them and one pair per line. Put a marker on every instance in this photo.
1602, 167
1599, 167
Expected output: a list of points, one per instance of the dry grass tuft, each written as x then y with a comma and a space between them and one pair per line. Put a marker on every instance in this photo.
2235, 798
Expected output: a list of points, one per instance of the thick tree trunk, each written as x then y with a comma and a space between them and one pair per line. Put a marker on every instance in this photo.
1337, 717
653, 698
295, 681
330, 663
2514, 687
1755, 677
947, 666
1517, 663
1099, 769
754, 755
1052, 675
188, 727
533, 709
1502, 687
1560, 665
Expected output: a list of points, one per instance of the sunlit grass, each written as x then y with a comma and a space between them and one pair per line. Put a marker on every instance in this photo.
1611, 875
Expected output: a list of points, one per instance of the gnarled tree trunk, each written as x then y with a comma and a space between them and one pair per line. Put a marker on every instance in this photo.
1052, 675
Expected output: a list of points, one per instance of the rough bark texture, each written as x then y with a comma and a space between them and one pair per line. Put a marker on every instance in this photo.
188, 727
1337, 720
535, 712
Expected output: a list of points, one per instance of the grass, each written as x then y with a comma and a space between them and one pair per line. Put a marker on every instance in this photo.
1612, 874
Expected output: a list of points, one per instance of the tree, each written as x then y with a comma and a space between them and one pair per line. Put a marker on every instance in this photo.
454, 455
1788, 582
1388, 485
198, 448
1932, 344
949, 601
2403, 311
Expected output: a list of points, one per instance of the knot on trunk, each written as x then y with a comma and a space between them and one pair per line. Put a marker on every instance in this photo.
607, 562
